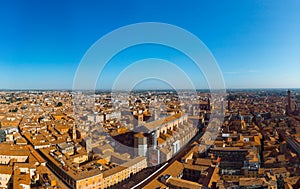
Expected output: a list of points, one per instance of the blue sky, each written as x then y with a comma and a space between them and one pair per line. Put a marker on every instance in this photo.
256, 43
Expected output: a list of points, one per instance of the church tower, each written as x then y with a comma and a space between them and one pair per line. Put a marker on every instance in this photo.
74, 132
288, 108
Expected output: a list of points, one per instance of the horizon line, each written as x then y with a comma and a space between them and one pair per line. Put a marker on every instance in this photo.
236, 88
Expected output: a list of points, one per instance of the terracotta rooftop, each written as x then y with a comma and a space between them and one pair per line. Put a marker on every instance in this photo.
181, 183
203, 161
157, 123
195, 167
5, 169
123, 166
9, 150
252, 182
174, 170
19, 179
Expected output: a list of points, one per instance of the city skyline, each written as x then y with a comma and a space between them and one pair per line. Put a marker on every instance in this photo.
255, 43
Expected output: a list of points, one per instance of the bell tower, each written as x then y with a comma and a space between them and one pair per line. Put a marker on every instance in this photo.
288, 107
74, 132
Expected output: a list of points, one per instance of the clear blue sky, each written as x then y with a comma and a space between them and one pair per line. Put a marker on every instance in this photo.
256, 43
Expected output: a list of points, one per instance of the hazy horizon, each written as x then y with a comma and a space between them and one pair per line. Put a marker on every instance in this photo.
145, 89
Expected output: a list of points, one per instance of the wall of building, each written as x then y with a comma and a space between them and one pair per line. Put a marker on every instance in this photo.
4, 179
5, 159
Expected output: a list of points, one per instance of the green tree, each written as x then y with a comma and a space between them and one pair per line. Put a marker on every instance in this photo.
59, 104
